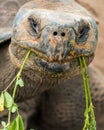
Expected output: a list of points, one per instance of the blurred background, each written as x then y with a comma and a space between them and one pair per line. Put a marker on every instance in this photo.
96, 7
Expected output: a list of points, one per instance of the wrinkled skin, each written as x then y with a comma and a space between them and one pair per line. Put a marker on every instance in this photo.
56, 32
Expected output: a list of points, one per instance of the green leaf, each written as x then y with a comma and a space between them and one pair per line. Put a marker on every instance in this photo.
3, 123
20, 82
8, 101
13, 125
5, 128
17, 124
14, 108
21, 124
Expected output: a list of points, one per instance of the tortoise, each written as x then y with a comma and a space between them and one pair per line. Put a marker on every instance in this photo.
57, 32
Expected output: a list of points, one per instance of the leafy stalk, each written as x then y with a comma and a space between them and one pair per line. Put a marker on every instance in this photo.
90, 123
19, 74
8, 101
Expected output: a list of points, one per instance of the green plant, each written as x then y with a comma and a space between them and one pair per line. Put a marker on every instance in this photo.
7, 101
90, 123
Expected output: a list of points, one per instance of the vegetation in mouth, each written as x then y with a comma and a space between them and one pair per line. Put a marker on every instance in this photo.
7, 100
90, 123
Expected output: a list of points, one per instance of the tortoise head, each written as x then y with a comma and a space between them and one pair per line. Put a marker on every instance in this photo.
56, 39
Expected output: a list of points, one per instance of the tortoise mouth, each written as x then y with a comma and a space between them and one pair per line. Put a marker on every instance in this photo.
36, 61
55, 66
58, 67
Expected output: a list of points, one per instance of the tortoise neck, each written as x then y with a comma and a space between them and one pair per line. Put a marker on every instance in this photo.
7, 70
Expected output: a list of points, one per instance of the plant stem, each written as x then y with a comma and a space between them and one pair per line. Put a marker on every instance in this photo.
9, 116
84, 80
89, 112
10, 83
19, 73
87, 80
86, 95
15, 87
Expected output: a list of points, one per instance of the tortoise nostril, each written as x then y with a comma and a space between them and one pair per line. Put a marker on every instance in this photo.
63, 34
55, 33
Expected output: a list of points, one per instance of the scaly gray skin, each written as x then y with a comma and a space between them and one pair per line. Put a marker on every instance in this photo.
56, 32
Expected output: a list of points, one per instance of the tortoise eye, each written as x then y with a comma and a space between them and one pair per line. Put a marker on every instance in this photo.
34, 25
83, 35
